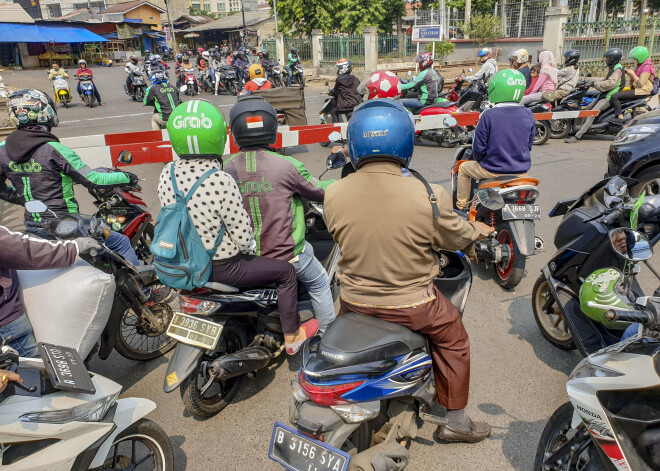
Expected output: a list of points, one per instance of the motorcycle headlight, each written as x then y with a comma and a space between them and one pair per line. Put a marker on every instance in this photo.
586, 369
636, 133
89, 412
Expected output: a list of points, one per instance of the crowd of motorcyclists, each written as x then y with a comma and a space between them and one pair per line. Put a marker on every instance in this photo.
249, 210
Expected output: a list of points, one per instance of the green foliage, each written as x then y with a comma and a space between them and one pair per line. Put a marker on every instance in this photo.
442, 49
393, 10
478, 5
483, 28
195, 12
303, 16
356, 14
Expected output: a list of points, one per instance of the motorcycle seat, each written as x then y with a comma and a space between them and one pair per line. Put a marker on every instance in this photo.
507, 181
221, 287
353, 339
440, 104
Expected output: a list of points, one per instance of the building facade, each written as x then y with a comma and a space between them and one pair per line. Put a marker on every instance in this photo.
222, 8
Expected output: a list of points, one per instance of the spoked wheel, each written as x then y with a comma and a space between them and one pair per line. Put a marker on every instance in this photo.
559, 128
542, 133
558, 432
137, 338
143, 445
510, 271
203, 400
548, 316
142, 248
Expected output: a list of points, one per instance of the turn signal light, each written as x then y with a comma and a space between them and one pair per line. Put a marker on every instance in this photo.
197, 306
327, 395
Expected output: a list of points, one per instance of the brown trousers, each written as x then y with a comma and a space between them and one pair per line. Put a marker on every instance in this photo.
440, 321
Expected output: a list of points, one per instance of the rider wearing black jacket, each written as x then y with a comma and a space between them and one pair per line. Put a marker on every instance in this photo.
163, 97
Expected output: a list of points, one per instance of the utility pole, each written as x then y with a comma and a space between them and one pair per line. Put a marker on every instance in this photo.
171, 26
245, 35
275, 11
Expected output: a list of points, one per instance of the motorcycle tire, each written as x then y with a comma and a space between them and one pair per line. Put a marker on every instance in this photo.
139, 94
234, 338
648, 180
559, 128
301, 81
148, 434
542, 133
158, 343
234, 89
277, 81
359, 440
508, 277
548, 325
142, 247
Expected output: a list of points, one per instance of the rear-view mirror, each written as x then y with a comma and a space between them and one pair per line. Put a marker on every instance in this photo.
336, 160
183, 88
36, 206
125, 157
630, 244
470, 69
334, 136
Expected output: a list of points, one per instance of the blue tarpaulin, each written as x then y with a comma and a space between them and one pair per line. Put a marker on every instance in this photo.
32, 33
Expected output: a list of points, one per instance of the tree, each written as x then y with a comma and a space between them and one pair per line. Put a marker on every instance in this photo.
356, 14
442, 49
483, 28
303, 16
478, 5
394, 11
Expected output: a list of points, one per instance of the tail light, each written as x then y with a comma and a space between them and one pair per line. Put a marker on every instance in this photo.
327, 395
281, 117
520, 196
547, 106
197, 306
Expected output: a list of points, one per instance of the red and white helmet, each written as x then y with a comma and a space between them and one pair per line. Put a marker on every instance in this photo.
384, 84
425, 60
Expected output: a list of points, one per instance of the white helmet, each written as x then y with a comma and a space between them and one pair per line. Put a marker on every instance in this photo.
206, 55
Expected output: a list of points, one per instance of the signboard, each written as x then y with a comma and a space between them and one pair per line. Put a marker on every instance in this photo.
168, 37
427, 34
250, 5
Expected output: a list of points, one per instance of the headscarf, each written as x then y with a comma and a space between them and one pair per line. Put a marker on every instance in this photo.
646, 66
548, 66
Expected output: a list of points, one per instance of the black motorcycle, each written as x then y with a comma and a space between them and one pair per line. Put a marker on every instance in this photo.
296, 75
140, 314
274, 74
138, 87
225, 333
583, 246
225, 80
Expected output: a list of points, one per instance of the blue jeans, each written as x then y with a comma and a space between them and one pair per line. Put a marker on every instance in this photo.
18, 335
312, 275
413, 104
289, 75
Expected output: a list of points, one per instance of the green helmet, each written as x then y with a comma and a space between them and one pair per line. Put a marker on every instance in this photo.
600, 292
506, 86
640, 54
197, 129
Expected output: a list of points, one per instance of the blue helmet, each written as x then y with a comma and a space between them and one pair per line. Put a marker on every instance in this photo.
158, 77
381, 129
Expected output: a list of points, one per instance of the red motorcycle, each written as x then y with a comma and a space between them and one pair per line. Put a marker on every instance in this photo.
126, 212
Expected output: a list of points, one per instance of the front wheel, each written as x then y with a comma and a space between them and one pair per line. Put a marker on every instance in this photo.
301, 81
649, 181
549, 317
139, 94
542, 133
277, 81
559, 128
218, 395
144, 444
509, 273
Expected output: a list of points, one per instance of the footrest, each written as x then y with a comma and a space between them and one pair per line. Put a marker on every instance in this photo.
433, 419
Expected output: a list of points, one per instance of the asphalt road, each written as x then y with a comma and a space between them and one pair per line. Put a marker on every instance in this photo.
517, 377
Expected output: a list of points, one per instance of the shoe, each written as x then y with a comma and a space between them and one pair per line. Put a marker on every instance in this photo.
101, 104
571, 140
479, 431
216, 94
306, 330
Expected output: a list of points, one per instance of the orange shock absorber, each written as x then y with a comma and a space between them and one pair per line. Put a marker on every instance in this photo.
491, 219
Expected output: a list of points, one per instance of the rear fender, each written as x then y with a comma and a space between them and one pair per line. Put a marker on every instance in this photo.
181, 365
333, 427
522, 230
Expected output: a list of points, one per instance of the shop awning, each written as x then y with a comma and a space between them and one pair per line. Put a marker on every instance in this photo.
32, 33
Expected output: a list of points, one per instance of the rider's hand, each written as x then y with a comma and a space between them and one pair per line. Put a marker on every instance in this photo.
484, 228
7, 376
87, 244
336, 149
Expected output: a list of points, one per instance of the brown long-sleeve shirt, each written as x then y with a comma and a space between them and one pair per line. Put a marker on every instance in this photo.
384, 225
23, 252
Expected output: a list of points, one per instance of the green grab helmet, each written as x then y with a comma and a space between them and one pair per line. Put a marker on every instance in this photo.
197, 129
640, 54
600, 292
506, 86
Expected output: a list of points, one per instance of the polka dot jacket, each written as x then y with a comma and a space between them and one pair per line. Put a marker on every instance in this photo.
216, 201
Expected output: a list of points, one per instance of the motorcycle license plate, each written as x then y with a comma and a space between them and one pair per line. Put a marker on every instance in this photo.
297, 452
521, 211
194, 331
66, 369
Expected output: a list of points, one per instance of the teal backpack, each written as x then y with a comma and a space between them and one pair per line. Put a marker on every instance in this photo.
180, 258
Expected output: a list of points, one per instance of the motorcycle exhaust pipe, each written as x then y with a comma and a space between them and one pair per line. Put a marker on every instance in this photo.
240, 363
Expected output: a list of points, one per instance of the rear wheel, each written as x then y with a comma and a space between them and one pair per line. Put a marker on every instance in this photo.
559, 128
542, 133
218, 395
548, 316
509, 273
359, 440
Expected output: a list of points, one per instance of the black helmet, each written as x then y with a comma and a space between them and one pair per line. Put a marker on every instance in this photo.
266, 54
253, 122
294, 50
613, 56
571, 57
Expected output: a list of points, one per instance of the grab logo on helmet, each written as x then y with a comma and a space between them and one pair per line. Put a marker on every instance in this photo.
516, 81
384, 84
192, 122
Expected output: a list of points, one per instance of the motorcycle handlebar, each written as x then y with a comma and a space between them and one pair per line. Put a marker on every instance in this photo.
610, 218
637, 317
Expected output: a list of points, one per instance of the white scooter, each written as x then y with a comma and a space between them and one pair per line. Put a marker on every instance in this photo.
63, 418
612, 421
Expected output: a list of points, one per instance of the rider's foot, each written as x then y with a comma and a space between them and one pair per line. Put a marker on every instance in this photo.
101, 104
571, 140
476, 432
294, 341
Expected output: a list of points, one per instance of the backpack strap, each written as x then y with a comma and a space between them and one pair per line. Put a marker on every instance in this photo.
173, 180
432, 197
199, 182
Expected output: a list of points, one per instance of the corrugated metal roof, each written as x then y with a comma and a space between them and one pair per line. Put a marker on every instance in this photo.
14, 13
25, 33
128, 6
235, 21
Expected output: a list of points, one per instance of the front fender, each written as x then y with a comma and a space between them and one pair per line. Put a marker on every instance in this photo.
522, 230
181, 365
128, 411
